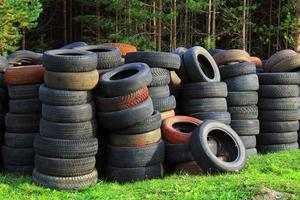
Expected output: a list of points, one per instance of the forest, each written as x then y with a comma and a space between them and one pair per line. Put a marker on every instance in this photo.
259, 27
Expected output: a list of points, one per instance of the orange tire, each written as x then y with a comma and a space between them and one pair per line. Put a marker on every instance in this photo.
179, 129
256, 60
167, 114
233, 55
24, 75
124, 48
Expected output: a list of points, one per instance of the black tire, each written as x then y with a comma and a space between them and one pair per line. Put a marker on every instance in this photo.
136, 156
108, 56
243, 112
278, 91
203, 90
71, 131
69, 60
178, 153
249, 141
64, 97
164, 104
3, 64
279, 103
229, 140
203, 105
200, 66
3, 94
17, 156
151, 123
154, 59
25, 106
65, 183
279, 127
251, 152
69, 114
17, 140
242, 83
245, 127
279, 78
22, 123
160, 76
223, 117
277, 138
125, 79
23, 91
159, 91
127, 117
279, 115
23, 170
237, 69
64, 167
26, 57
242, 98
59, 148
74, 45
134, 174
277, 147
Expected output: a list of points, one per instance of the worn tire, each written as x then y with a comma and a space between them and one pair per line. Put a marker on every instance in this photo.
134, 174
124, 48
136, 156
287, 64
160, 76
237, 69
24, 75
279, 78
200, 66
125, 79
65, 183
71, 131
245, 127
155, 59
61, 148
17, 156
278, 91
251, 152
277, 138
232, 55
223, 117
203, 90
72, 80
23, 91
242, 83
22, 123
249, 141
159, 92
279, 115
279, 103
203, 105
18, 58
243, 112
126, 118
64, 97
26, 106
277, 57
64, 167
167, 114
73, 45
277, 147
278, 127
164, 104
19, 140
23, 170
242, 98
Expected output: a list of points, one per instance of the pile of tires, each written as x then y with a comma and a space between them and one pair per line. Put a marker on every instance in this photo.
278, 111
22, 120
66, 145
202, 95
161, 63
177, 131
135, 150
242, 83
108, 57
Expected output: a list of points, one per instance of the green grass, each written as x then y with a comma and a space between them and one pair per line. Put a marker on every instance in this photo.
273, 172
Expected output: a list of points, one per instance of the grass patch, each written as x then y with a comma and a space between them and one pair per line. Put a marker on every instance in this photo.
273, 174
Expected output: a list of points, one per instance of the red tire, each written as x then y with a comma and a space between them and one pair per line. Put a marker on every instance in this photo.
124, 48
257, 61
178, 129
31, 74
121, 102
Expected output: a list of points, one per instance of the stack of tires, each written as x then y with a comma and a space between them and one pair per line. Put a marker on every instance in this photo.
135, 150
66, 145
202, 94
242, 83
109, 57
278, 111
161, 64
22, 121
177, 131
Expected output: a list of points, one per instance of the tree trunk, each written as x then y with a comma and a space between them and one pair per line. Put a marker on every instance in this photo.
160, 7
278, 25
297, 39
174, 28
98, 34
214, 25
186, 23
270, 24
244, 25
249, 28
209, 24
23, 39
154, 23
65, 21
70, 21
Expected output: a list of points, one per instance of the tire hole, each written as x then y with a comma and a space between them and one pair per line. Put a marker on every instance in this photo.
184, 127
124, 74
70, 54
206, 66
